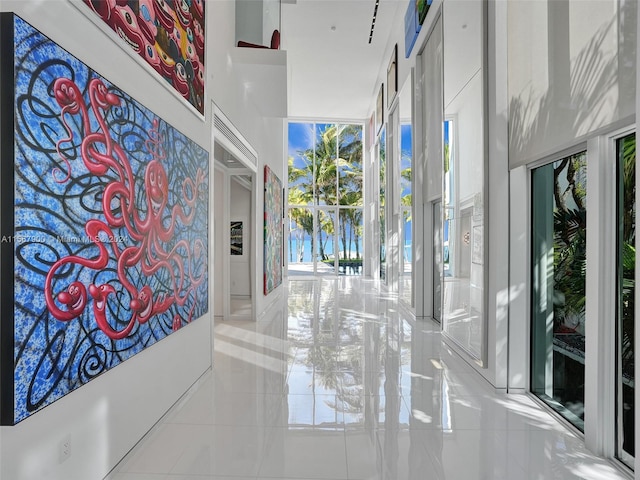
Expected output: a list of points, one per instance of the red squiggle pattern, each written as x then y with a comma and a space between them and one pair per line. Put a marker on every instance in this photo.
154, 250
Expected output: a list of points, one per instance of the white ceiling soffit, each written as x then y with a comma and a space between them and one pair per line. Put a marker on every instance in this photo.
332, 68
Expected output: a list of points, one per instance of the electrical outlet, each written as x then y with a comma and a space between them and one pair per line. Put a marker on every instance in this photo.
65, 448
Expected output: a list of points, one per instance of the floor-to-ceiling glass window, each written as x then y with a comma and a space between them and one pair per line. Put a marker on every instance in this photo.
382, 158
405, 196
437, 261
448, 195
558, 285
351, 200
325, 198
625, 388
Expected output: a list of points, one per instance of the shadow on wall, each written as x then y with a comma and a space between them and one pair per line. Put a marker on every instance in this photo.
583, 91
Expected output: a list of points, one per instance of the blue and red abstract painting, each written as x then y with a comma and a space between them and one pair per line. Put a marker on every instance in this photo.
273, 234
104, 224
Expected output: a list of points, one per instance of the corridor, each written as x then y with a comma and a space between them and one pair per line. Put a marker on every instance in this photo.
338, 381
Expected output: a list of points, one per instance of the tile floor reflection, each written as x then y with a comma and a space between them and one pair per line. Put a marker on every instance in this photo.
340, 383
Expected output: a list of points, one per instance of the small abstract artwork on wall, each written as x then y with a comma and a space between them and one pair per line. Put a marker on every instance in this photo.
167, 34
104, 224
236, 239
273, 205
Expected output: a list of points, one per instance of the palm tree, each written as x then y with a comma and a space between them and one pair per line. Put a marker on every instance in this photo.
303, 219
334, 166
570, 253
323, 160
351, 188
627, 245
405, 200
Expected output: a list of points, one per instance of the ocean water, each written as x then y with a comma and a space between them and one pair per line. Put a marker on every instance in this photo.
300, 251
298, 246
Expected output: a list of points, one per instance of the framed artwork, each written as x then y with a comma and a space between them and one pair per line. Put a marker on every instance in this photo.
380, 109
411, 27
422, 7
104, 224
236, 238
168, 35
273, 205
392, 76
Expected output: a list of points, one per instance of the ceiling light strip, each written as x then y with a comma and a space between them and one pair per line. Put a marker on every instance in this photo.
373, 20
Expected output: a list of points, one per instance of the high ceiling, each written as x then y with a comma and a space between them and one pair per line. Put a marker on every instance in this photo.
332, 67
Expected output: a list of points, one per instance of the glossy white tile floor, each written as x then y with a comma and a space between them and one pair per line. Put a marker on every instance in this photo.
339, 383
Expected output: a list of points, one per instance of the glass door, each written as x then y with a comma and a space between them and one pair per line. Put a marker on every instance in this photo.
301, 241
326, 229
406, 224
559, 285
438, 265
382, 158
625, 384
350, 236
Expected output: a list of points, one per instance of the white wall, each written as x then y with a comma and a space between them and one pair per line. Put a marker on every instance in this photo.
571, 71
219, 242
270, 19
466, 110
105, 418
249, 21
274, 139
461, 49
497, 221
256, 20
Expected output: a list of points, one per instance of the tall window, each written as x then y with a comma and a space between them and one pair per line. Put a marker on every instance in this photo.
405, 193
625, 388
325, 198
383, 202
558, 297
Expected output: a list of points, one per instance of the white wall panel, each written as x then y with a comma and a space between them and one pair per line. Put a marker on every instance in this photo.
568, 77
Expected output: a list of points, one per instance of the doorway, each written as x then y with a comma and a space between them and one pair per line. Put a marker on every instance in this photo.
235, 227
325, 241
